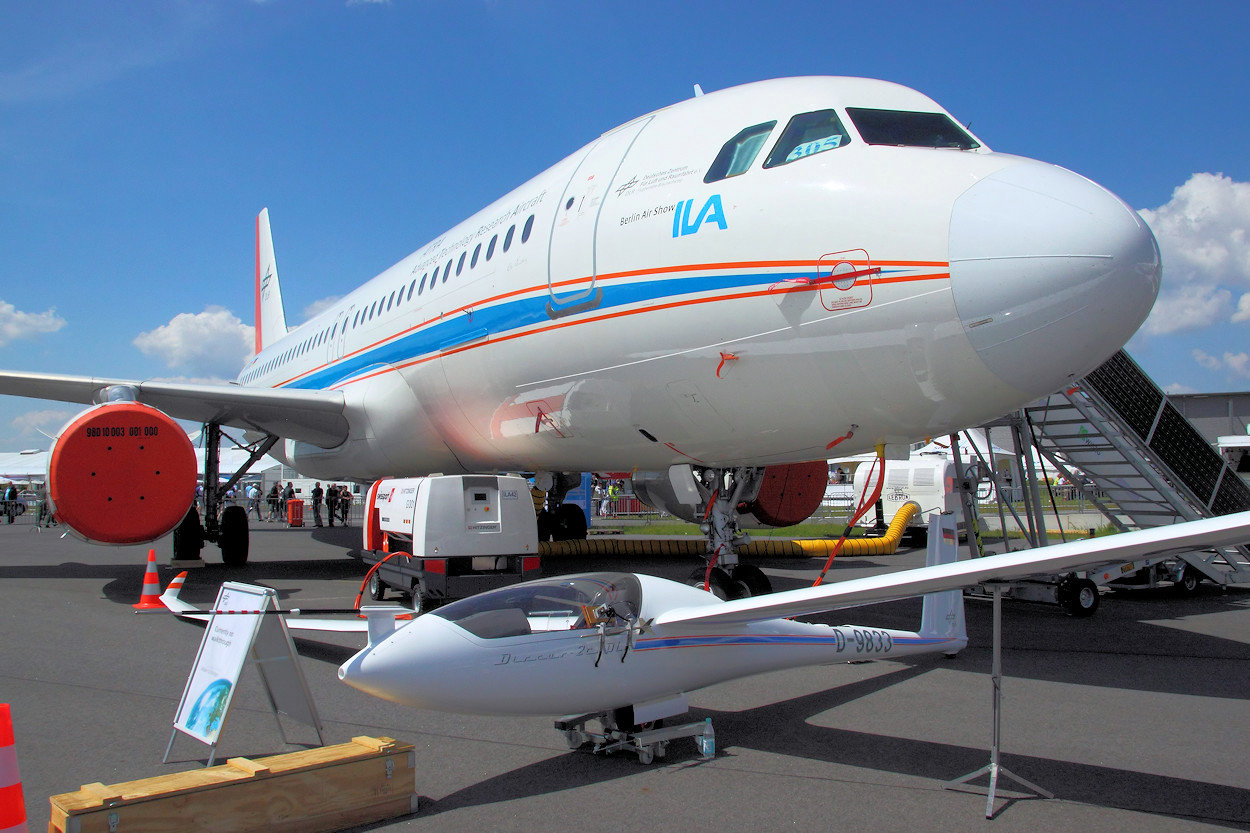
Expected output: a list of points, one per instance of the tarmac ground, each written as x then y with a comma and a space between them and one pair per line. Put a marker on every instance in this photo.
1136, 719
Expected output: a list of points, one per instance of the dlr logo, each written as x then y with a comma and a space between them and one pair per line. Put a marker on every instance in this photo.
712, 212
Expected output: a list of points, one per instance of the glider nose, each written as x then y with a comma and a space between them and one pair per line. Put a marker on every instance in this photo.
1051, 273
379, 670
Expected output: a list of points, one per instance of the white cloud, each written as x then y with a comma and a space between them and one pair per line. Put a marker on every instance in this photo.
213, 343
15, 324
1236, 364
1187, 307
1177, 388
1204, 237
42, 423
317, 307
1205, 360
1243, 309
1239, 363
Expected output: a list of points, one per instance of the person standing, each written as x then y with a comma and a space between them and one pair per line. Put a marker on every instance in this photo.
345, 503
317, 495
288, 494
332, 502
253, 500
274, 497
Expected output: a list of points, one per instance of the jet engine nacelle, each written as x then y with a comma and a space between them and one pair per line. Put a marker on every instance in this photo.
788, 494
121, 473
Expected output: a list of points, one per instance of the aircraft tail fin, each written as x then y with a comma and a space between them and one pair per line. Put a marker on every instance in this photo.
270, 317
943, 615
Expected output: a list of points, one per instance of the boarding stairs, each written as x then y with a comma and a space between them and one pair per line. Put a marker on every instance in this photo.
1132, 445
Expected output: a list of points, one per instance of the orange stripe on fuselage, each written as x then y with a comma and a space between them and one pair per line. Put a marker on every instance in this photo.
610, 276
613, 315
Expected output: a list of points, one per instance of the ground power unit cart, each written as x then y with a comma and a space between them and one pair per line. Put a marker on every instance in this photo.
447, 537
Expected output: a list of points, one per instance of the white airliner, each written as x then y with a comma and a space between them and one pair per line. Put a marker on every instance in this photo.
720, 291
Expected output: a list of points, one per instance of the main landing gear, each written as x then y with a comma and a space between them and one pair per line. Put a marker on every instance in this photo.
230, 531
559, 521
722, 491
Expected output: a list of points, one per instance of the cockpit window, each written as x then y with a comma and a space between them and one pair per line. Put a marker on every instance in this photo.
555, 604
904, 128
739, 152
808, 134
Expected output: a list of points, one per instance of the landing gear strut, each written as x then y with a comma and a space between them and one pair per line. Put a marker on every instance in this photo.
230, 532
722, 491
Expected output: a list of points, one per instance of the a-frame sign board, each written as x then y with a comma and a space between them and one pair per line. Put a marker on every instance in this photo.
241, 628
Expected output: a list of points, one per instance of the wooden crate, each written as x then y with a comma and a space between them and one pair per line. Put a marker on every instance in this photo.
324, 789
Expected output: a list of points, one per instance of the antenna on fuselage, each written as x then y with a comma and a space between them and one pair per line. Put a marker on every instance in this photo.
698, 91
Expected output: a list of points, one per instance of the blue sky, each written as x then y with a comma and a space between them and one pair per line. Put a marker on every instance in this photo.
138, 140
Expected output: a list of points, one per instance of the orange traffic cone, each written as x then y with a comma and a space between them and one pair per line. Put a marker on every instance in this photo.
150, 598
12, 807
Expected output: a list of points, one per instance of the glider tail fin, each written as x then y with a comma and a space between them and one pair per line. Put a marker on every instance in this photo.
270, 317
176, 605
943, 615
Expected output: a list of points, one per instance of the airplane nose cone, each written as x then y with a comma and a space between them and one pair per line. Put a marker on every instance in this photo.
1051, 273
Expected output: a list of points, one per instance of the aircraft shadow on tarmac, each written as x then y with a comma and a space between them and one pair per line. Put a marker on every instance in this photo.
124, 582
783, 729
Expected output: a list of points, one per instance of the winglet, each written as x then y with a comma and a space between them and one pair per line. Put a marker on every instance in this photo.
270, 317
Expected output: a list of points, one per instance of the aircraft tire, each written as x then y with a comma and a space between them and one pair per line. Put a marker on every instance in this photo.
719, 581
569, 523
749, 580
1080, 598
188, 536
1190, 579
545, 525
233, 536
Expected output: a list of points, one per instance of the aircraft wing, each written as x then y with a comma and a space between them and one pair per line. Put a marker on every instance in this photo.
1061, 558
313, 416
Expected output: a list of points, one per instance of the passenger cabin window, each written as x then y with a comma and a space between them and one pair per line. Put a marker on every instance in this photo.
903, 128
739, 152
806, 135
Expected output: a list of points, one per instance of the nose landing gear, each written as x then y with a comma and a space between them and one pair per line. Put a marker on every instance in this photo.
723, 491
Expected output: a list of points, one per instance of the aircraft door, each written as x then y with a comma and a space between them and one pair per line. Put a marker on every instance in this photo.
338, 342
572, 265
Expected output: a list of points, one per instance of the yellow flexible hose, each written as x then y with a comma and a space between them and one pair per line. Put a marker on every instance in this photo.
762, 548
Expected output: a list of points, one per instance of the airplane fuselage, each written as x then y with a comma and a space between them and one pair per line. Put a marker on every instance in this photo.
620, 312
551, 663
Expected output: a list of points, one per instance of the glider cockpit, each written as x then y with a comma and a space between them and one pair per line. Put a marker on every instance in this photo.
574, 602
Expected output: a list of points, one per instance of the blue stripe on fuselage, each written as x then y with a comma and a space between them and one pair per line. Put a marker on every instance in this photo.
516, 314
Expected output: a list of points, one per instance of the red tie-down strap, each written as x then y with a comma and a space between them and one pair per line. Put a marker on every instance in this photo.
845, 436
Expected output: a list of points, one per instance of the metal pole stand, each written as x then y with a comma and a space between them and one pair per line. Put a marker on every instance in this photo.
994, 769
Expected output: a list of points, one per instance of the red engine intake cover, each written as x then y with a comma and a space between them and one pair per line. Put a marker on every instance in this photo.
790, 494
122, 473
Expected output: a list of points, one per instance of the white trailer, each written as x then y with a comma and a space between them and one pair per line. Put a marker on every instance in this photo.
928, 480
449, 536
